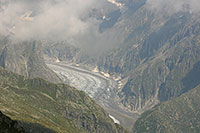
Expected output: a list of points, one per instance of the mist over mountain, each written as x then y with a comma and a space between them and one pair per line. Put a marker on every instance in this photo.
45, 19
174, 6
64, 19
58, 20
148, 49
156, 55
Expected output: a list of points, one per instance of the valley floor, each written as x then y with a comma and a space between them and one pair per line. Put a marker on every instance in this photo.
101, 88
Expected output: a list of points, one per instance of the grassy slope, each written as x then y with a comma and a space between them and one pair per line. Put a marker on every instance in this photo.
57, 107
177, 115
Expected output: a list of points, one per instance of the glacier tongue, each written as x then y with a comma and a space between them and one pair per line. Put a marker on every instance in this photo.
99, 86
96, 85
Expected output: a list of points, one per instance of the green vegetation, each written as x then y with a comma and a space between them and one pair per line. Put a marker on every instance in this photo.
177, 115
57, 107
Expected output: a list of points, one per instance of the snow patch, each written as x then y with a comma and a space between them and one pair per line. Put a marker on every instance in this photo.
27, 16
106, 74
96, 70
117, 78
116, 3
114, 119
57, 60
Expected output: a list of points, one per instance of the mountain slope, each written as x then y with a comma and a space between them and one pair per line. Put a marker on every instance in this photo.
25, 58
177, 115
158, 52
172, 70
58, 107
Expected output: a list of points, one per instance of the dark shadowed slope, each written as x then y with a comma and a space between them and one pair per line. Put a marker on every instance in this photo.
9, 126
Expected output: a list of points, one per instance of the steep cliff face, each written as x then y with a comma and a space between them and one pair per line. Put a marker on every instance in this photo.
9, 126
177, 115
157, 51
45, 106
25, 58
160, 54
170, 70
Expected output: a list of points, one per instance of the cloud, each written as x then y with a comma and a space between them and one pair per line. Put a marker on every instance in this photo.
48, 19
71, 21
174, 6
